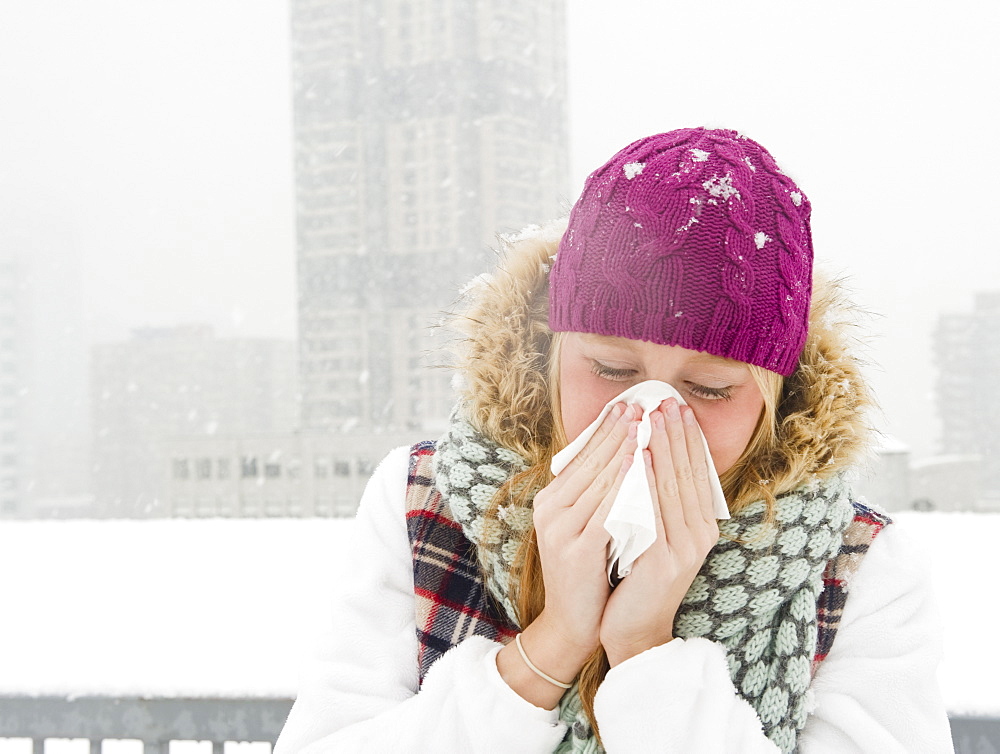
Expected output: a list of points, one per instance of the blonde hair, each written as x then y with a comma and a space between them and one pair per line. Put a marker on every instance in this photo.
812, 424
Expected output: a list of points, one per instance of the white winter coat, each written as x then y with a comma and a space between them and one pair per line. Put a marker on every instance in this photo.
875, 692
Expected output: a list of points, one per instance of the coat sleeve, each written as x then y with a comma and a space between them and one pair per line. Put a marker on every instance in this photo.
361, 693
875, 691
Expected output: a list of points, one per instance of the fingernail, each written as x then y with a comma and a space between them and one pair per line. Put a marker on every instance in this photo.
688, 416
673, 410
616, 411
629, 413
657, 419
633, 430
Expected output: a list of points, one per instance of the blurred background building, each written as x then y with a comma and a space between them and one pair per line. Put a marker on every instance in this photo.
261, 475
11, 494
967, 357
964, 475
44, 407
421, 130
182, 382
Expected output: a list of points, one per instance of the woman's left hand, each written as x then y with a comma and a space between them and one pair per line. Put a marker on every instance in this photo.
640, 612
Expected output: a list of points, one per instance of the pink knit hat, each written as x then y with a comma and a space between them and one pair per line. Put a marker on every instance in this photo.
692, 238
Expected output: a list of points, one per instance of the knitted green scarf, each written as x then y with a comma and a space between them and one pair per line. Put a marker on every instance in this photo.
755, 595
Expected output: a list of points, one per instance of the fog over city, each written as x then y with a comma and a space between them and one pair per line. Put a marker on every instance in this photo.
149, 151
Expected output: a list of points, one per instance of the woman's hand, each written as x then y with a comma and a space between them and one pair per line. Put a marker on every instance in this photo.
569, 526
572, 544
640, 613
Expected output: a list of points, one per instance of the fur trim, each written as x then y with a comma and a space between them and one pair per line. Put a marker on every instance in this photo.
826, 402
504, 355
503, 358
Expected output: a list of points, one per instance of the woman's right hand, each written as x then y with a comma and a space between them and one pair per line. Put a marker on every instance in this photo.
569, 517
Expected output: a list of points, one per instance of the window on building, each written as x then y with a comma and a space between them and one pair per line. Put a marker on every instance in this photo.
203, 468
182, 507
344, 507
365, 467
321, 468
272, 470
342, 468
324, 506
251, 507
222, 468
225, 506
248, 466
181, 468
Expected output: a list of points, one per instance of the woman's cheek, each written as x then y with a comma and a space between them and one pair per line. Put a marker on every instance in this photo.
580, 410
583, 395
727, 436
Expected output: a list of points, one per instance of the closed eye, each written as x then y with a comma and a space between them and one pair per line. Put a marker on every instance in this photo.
612, 373
710, 393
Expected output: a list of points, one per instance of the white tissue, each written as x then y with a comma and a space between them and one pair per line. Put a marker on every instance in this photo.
630, 522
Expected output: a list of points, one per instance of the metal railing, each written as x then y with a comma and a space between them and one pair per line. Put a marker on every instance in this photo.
158, 721
155, 721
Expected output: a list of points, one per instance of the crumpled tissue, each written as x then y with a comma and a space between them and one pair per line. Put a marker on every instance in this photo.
630, 522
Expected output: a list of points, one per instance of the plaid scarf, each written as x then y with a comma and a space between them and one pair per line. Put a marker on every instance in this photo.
756, 597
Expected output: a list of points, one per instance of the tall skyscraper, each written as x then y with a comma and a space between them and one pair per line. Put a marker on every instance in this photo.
11, 376
44, 442
422, 129
967, 351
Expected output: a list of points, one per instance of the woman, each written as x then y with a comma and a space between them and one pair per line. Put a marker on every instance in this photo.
687, 260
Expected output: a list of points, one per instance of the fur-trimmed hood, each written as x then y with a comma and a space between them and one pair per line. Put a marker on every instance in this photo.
503, 359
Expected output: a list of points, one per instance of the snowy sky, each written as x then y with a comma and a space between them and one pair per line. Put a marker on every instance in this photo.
152, 142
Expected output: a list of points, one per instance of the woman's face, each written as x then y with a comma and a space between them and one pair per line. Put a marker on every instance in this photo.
593, 369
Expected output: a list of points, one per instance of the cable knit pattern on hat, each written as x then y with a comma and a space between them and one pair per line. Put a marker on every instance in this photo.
692, 238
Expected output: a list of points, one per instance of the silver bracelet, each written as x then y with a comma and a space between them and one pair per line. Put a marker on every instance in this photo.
539, 673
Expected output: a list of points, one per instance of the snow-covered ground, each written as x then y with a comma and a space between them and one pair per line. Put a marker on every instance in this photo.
169, 608
959, 552
224, 607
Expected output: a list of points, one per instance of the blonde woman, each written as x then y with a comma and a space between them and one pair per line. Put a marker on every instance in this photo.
694, 574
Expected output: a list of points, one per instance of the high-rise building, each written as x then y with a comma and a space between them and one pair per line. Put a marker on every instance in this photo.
967, 354
422, 129
11, 368
54, 396
166, 384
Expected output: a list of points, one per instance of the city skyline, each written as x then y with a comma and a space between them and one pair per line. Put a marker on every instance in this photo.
172, 178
